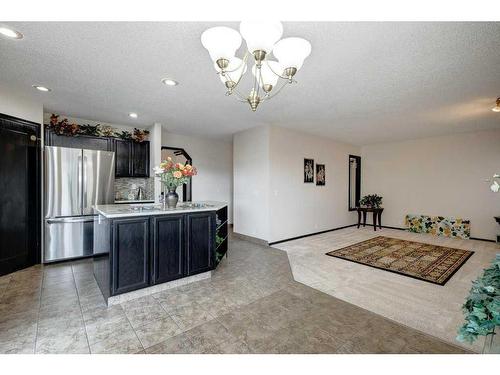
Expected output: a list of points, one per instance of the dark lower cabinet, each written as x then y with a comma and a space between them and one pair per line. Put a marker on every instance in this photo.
130, 255
167, 234
138, 252
200, 230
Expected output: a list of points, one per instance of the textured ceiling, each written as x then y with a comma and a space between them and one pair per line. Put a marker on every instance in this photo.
363, 83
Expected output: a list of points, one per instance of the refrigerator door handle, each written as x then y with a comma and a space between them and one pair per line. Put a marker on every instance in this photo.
84, 219
80, 183
84, 183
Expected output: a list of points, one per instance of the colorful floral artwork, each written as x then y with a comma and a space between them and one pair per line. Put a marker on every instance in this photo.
308, 170
320, 175
438, 225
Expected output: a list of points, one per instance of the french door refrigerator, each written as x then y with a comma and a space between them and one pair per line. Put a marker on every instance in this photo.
75, 181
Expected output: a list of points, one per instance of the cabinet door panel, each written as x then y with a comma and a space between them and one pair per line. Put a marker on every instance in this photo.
130, 254
168, 248
85, 142
140, 159
200, 242
123, 158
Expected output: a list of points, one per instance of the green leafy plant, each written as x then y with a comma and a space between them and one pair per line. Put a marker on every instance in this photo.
372, 200
482, 306
124, 134
218, 240
90, 130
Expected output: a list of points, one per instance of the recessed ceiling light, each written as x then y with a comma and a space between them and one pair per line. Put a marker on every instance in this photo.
42, 88
133, 115
169, 82
10, 33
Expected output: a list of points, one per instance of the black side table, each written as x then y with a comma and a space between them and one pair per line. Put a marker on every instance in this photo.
377, 215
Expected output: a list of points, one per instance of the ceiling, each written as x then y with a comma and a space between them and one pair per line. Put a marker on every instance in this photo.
363, 82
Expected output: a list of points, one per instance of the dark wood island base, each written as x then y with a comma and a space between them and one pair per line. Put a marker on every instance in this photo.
152, 250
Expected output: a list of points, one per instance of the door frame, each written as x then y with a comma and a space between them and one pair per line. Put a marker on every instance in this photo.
36, 127
187, 189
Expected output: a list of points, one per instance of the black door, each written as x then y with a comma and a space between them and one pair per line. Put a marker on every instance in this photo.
130, 254
20, 216
200, 229
123, 158
140, 159
168, 247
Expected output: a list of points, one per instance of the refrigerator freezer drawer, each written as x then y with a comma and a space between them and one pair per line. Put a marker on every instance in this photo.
69, 237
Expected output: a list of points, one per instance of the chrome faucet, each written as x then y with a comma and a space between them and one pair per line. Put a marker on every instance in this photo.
140, 196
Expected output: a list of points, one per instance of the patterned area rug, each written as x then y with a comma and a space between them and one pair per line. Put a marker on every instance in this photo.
432, 263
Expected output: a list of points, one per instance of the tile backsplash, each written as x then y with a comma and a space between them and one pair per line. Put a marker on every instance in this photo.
124, 185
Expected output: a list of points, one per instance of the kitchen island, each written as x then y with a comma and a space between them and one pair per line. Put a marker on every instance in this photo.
144, 249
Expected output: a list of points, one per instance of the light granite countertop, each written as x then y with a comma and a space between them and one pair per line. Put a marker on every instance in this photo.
112, 211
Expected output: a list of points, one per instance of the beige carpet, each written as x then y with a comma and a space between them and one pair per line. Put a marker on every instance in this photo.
433, 309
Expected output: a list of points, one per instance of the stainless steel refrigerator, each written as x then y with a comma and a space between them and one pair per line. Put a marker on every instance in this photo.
75, 181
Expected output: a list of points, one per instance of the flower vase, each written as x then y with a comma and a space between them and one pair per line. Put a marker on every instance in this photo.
171, 198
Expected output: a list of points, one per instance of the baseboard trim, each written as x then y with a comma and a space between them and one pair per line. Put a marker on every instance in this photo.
255, 240
310, 234
384, 226
482, 239
347, 226
470, 238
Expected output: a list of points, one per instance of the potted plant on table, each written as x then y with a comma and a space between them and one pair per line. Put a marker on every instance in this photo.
172, 175
371, 201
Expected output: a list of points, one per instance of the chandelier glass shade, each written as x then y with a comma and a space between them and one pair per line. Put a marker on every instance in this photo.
262, 39
496, 108
221, 42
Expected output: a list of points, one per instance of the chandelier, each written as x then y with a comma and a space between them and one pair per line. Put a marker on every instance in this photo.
261, 39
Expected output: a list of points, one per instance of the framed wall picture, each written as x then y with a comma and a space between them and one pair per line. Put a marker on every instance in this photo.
308, 170
320, 175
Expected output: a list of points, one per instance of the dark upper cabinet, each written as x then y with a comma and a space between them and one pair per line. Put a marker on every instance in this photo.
132, 158
167, 234
79, 141
200, 232
140, 159
123, 157
130, 255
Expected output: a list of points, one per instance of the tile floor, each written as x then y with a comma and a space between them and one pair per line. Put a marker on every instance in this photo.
251, 305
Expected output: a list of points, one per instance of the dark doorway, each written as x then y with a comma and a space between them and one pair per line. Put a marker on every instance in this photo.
179, 155
354, 181
20, 210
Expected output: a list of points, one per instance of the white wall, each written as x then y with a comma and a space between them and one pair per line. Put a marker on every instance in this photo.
214, 161
251, 182
155, 137
298, 208
436, 176
271, 200
17, 105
